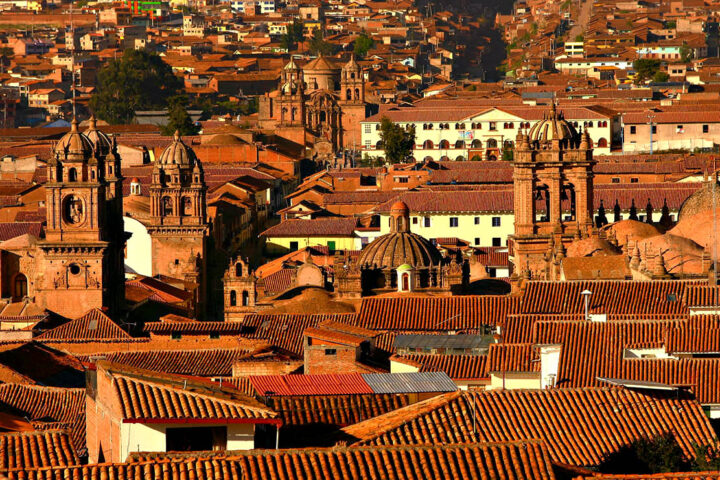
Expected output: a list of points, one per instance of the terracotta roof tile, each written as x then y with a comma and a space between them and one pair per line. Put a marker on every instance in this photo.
329, 384
65, 406
193, 328
285, 331
93, 326
318, 227
434, 313
579, 426
49, 448
457, 367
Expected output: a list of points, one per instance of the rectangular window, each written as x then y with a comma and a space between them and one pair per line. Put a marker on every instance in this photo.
615, 180
477, 220
453, 221
706, 128
330, 351
633, 130
679, 129
415, 220
492, 126
401, 179
654, 129
368, 128
495, 221
497, 242
331, 245
634, 180
426, 222
293, 246
492, 273
477, 241
176, 335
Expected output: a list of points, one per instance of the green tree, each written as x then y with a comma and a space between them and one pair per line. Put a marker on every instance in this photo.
397, 142
318, 44
178, 118
660, 77
659, 454
707, 457
139, 80
686, 53
645, 69
363, 44
295, 33
579, 38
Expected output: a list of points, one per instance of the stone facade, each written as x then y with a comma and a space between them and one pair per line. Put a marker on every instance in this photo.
552, 173
79, 264
320, 103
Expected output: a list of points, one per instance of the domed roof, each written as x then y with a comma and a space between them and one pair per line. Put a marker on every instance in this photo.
400, 207
700, 201
101, 141
632, 230
352, 64
291, 65
177, 153
74, 143
224, 139
396, 249
319, 64
553, 126
593, 246
400, 247
135, 180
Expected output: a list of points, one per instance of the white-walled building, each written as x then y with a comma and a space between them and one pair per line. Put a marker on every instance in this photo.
454, 130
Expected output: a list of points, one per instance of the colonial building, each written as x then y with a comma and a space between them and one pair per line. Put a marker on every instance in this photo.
178, 225
553, 164
240, 287
79, 264
321, 104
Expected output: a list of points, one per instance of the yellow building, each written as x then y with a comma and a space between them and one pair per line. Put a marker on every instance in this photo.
481, 218
294, 234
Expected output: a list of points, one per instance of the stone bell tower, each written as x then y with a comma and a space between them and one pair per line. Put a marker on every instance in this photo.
80, 262
553, 187
179, 227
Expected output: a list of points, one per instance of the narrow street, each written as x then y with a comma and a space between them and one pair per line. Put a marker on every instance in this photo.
581, 21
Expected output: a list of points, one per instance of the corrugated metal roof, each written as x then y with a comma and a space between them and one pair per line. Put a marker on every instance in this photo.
421, 382
442, 341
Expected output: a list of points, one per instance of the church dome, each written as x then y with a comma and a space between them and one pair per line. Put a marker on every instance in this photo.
101, 141
700, 201
177, 153
400, 247
74, 143
224, 139
553, 126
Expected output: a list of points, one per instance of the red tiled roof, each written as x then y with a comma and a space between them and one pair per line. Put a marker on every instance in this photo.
285, 331
291, 385
318, 227
10, 230
434, 313
338, 410
579, 426
214, 362
457, 367
93, 326
607, 297
193, 328
49, 448
65, 406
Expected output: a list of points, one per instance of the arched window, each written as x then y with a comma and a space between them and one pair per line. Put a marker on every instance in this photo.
459, 158
492, 143
405, 282
379, 145
444, 144
602, 143
72, 175
19, 287
428, 144
187, 209
460, 144
357, 94
476, 158
508, 144
511, 125
166, 207
476, 143
233, 298
238, 269
245, 298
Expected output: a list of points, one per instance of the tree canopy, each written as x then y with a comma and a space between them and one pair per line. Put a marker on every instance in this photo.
178, 118
318, 45
659, 454
363, 44
397, 142
139, 80
295, 33
645, 69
